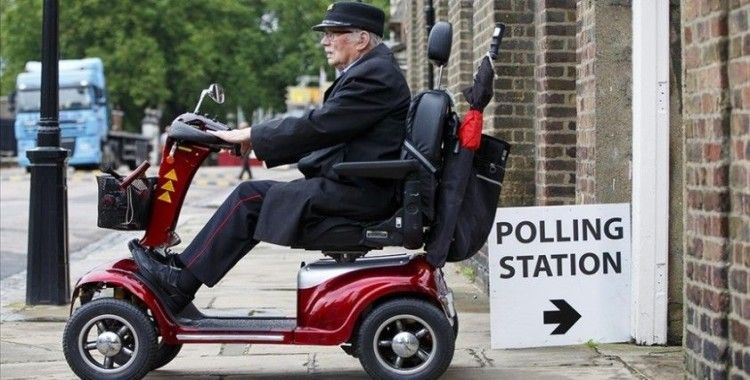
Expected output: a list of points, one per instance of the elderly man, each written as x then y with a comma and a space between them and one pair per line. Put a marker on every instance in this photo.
361, 119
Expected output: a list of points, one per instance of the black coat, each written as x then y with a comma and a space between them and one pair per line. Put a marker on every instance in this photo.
362, 119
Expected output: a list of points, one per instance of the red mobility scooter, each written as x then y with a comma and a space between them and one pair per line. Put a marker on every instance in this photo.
394, 312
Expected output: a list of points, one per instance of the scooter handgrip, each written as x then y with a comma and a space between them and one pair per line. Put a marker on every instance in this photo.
186, 132
497, 39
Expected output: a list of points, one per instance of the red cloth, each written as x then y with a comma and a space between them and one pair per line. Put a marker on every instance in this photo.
470, 133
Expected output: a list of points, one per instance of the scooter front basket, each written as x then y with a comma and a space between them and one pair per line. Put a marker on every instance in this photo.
124, 209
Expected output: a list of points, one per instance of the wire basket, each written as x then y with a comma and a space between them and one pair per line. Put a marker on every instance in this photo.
124, 209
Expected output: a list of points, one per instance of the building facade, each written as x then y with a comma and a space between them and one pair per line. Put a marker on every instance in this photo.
563, 98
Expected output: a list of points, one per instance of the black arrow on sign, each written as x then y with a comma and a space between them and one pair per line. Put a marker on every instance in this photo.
565, 315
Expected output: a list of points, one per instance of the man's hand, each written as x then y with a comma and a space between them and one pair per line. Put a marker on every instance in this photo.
236, 136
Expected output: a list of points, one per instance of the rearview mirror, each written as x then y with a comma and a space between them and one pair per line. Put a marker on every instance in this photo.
216, 92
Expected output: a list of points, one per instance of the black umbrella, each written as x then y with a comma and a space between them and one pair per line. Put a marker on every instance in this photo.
480, 93
457, 166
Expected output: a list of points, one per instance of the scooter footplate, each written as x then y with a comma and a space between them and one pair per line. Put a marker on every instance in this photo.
240, 323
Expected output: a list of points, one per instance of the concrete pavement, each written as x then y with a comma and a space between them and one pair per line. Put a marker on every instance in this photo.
264, 282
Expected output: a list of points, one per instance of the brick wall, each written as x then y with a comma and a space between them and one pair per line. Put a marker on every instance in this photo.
555, 76
716, 97
738, 73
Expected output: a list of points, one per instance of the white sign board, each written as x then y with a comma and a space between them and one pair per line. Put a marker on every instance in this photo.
560, 275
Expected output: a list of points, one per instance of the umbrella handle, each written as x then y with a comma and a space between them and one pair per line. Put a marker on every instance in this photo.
497, 39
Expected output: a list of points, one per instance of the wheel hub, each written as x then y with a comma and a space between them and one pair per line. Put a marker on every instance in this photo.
109, 343
405, 344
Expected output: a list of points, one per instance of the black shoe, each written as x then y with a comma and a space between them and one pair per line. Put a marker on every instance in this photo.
164, 276
169, 259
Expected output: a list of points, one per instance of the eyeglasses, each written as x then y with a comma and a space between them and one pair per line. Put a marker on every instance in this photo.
332, 34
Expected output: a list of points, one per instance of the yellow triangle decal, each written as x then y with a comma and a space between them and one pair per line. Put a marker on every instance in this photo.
168, 186
165, 197
171, 175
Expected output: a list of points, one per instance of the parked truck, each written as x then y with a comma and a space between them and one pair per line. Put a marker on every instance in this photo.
85, 117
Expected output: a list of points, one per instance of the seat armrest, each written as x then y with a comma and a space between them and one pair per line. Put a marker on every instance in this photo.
393, 169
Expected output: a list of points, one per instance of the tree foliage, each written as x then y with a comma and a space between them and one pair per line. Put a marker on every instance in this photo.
161, 53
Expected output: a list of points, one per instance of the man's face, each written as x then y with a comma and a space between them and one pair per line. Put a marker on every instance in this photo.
341, 46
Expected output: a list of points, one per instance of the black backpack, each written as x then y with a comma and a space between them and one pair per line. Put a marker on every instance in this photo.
467, 199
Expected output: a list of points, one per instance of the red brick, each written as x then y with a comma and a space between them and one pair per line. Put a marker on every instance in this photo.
715, 353
739, 333
694, 294
714, 300
693, 342
738, 280
718, 276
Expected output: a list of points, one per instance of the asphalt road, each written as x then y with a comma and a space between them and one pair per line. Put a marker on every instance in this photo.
209, 187
14, 216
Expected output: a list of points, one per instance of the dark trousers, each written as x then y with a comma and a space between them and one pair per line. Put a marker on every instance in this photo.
228, 236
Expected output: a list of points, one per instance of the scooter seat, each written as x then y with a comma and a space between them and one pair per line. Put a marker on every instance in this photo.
333, 234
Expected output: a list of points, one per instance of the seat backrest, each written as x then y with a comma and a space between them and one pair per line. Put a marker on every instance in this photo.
428, 119
424, 127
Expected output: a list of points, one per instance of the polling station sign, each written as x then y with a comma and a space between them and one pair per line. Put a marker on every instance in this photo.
560, 275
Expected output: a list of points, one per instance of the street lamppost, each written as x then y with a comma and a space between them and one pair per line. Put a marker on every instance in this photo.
47, 278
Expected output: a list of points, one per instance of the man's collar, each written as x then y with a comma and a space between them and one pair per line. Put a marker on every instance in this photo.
345, 69
369, 53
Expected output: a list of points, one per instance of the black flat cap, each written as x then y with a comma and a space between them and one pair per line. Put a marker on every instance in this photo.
353, 15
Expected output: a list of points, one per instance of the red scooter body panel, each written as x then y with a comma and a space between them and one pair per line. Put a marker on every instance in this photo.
327, 313
179, 164
121, 274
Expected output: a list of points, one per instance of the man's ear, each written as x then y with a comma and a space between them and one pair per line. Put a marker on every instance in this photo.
364, 41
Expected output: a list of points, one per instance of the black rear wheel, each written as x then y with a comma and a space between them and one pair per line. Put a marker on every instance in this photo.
407, 338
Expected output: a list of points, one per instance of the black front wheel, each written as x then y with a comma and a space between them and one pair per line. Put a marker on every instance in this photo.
109, 339
407, 338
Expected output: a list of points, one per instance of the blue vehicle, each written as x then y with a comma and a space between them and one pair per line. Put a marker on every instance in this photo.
84, 117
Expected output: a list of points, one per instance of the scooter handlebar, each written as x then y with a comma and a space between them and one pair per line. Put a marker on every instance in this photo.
192, 128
